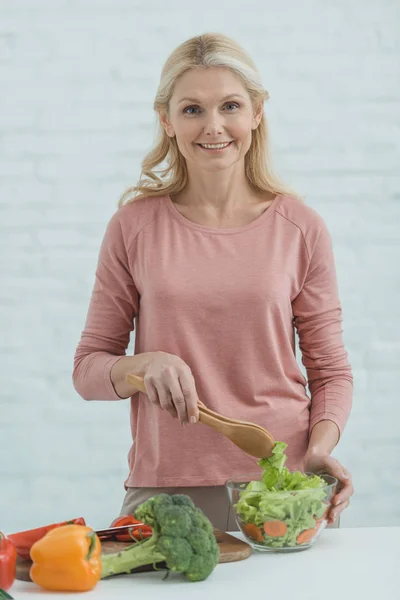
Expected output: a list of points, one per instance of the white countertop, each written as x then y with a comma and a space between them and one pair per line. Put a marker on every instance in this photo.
345, 564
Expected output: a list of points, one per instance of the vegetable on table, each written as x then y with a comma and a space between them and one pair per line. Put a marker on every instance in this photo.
8, 559
286, 508
67, 559
139, 531
182, 537
24, 540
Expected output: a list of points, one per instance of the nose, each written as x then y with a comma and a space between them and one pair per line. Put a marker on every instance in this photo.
213, 126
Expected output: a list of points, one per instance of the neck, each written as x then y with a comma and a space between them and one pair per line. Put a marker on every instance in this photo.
218, 191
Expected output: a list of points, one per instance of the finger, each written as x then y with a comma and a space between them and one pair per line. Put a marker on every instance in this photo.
178, 400
166, 401
342, 475
347, 473
335, 512
336, 469
345, 494
151, 390
188, 387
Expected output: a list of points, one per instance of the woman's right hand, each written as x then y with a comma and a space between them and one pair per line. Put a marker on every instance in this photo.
170, 385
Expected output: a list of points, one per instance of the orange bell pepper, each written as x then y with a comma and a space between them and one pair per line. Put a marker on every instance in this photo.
67, 559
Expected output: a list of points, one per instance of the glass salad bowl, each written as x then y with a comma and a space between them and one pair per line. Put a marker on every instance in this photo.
289, 517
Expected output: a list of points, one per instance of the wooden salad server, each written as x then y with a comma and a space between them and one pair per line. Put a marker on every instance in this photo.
249, 437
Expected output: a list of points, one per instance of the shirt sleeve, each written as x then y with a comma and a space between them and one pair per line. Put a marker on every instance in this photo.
318, 320
110, 319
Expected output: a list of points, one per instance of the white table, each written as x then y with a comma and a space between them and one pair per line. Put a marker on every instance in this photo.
345, 564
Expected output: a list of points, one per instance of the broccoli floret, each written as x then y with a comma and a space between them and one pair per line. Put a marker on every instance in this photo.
177, 551
200, 540
149, 507
199, 521
183, 500
182, 537
200, 564
172, 519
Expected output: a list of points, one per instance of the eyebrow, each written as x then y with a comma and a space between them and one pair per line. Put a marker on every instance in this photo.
195, 100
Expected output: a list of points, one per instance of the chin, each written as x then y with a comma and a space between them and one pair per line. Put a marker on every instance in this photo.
217, 168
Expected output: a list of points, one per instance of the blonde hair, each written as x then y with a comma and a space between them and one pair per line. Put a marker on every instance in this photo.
204, 51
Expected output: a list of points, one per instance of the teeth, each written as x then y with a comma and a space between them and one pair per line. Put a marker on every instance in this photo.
215, 145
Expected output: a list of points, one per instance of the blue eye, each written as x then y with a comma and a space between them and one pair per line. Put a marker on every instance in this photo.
185, 110
234, 104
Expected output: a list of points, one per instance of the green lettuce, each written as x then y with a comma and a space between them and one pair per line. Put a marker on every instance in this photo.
294, 498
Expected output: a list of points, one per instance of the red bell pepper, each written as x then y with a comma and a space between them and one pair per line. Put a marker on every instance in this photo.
8, 560
24, 540
139, 530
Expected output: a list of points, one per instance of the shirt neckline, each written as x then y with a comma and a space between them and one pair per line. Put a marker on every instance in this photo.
222, 230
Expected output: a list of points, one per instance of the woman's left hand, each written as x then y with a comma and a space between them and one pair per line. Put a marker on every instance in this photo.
319, 463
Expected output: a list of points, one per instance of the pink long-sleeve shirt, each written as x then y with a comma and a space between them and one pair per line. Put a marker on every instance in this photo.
227, 302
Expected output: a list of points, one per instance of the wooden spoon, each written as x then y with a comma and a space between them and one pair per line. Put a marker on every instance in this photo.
252, 439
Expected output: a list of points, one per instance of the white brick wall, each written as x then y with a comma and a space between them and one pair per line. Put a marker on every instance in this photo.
77, 80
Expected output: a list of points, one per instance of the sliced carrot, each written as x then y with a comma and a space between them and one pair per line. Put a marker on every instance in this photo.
306, 536
253, 532
275, 528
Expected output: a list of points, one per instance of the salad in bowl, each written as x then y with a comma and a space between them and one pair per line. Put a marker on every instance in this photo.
281, 510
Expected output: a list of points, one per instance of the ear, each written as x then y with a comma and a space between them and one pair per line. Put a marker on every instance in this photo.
257, 115
169, 130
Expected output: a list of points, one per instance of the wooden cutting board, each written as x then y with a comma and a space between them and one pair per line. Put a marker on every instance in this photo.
230, 550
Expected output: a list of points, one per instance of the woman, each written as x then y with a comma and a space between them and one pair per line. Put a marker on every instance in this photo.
217, 263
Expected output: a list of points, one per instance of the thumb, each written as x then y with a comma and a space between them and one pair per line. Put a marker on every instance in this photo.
336, 469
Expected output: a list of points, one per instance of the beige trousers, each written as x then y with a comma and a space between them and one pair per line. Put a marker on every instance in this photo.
213, 501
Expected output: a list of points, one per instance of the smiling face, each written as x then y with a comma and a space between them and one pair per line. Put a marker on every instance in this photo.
212, 117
